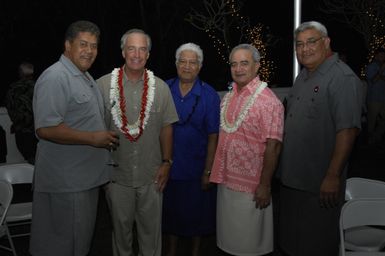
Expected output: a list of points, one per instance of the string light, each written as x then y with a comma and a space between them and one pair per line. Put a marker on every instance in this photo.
253, 35
377, 40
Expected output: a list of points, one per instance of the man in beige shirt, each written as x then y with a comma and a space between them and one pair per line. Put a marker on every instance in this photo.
139, 106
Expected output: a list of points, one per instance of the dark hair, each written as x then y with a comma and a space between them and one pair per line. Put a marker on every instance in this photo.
81, 26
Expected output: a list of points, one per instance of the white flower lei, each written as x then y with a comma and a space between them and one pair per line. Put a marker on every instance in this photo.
225, 124
133, 129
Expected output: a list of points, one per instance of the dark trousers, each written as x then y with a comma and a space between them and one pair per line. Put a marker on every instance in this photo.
26, 144
305, 228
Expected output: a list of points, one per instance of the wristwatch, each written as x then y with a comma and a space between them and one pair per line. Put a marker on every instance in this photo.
168, 161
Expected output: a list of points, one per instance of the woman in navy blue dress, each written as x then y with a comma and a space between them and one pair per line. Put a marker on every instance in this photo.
189, 200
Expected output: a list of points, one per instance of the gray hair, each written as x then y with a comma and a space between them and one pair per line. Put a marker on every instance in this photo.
249, 47
81, 26
135, 31
189, 47
311, 25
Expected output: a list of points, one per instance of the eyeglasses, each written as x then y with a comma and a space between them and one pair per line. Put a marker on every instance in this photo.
311, 43
183, 62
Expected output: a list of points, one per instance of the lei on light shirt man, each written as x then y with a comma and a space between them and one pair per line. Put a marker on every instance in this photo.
139, 106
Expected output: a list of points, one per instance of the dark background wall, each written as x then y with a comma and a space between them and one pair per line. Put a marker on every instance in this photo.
34, 30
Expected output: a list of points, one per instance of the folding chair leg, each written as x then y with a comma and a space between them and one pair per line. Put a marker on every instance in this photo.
10, 240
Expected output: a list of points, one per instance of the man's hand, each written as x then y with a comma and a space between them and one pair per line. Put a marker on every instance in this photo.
331, 185
205, 181
329, 192
162, 176
262, 196
105, 139
63, 134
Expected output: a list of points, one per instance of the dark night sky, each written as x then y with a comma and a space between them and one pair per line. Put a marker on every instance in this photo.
34, 30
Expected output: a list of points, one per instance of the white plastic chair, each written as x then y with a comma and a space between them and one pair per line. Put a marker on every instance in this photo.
6, 194
357, 213
369, 239
364, 188
18, 213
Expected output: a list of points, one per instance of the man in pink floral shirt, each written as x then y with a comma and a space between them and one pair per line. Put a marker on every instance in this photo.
246, 157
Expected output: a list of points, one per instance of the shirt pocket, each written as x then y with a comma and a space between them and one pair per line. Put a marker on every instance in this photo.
82, 97
155, 115
315, 107
82, 104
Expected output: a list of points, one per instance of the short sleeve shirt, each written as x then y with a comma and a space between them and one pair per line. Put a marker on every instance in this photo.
198, 113
139, 161
64, 94
239, 157
318, 106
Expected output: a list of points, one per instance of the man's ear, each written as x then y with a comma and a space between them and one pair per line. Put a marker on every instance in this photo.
67, 45
327, 42
257, 66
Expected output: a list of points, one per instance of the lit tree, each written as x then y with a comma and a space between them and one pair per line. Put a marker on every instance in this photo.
226, 27
367, 17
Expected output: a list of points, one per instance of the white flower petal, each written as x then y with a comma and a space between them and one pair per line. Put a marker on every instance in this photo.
117, 112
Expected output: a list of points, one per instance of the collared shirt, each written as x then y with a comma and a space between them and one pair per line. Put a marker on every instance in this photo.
239, 157
318, 106
198, 113
138, 161
64, 94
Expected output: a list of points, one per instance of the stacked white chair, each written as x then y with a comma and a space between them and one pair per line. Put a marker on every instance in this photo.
364, 238
18, 213
6, 194
358, 213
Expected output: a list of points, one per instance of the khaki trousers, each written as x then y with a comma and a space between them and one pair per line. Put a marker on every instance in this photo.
142, 205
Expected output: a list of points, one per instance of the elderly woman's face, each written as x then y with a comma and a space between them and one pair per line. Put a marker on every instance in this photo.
188, 66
